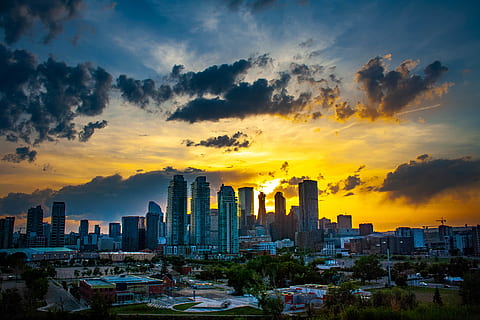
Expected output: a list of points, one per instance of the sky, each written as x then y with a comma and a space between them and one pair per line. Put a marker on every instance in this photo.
103, 102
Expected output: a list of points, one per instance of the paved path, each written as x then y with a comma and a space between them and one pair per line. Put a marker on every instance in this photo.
58, 298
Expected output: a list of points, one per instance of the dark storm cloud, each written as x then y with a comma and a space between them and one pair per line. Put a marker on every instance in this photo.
89, 129
419, 181
21, 154
108, 198
389, 92
236, 141
142, 92
19, 17
240, 101
214, 80
285, 167
347, 184
306, 72
39, 102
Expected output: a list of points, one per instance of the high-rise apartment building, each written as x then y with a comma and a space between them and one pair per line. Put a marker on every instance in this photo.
6, 232
246, 210
96, 229
153, 224
114, 230
262, 211
177, 211
227, 221
35, 236
308, 194
35, 221
344, 221
200, 217
278, 229
57, 233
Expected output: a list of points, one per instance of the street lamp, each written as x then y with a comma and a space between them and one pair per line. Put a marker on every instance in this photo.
388, 263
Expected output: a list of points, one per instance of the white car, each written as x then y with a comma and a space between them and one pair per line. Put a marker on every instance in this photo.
423, 284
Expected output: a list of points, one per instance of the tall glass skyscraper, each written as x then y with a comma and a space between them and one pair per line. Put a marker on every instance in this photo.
200, 217
262, 211
177, 211
133, 230
246, 210
114, 230
153, 220
57, 234
227, 220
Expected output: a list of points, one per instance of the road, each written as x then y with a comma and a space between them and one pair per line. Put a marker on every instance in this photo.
63, 300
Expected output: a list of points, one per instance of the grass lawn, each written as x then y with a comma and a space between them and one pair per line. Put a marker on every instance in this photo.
449, 296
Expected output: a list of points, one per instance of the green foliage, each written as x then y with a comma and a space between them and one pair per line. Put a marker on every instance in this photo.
36, 282
10, 302
272, 304
459, 266
340, 297
241, 278
100, 306
470, 288
396, 298
367, 268
437, 299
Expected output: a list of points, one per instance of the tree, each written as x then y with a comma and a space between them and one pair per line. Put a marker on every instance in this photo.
100, 306
340, 297
469, 288
11, 303
240, 278
367, 268
437, 299
272, 304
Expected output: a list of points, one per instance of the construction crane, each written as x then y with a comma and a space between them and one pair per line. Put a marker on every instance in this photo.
442, 221
426, 227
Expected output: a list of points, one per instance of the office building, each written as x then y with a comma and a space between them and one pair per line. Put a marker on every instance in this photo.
227, 221
35, 236
365, 229
344, 221
83, 228
153, 225
246, 210
262, 211
132, 233
200, 217
278, 229
177, 211
6, 232
57, 233
308, 196
114, 230
96, 229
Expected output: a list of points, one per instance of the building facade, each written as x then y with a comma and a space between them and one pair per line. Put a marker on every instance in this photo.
57, 233
200, 217
227, 221
153, 225
177, 211
246, 209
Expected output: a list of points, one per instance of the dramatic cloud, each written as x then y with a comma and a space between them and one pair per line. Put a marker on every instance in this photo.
89, 129
242, 100
294, 181
142, 92
40, 102
18, 17
234, 143
347, 184
107, 198
419, 181
214, 80
21, 154
389, 92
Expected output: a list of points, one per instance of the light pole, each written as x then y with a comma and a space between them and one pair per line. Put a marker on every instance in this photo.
388, 266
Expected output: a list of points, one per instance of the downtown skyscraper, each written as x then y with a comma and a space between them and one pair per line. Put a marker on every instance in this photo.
246, 210
35, 237
177, 211
227, 221
153, 225
308, 235
200, 217
133, 233
57, 233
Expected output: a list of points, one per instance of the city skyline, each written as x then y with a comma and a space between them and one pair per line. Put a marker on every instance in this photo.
103, 110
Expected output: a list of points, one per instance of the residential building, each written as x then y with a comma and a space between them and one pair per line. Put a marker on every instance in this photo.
227, 221
57, 234
200, 216
177, 211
